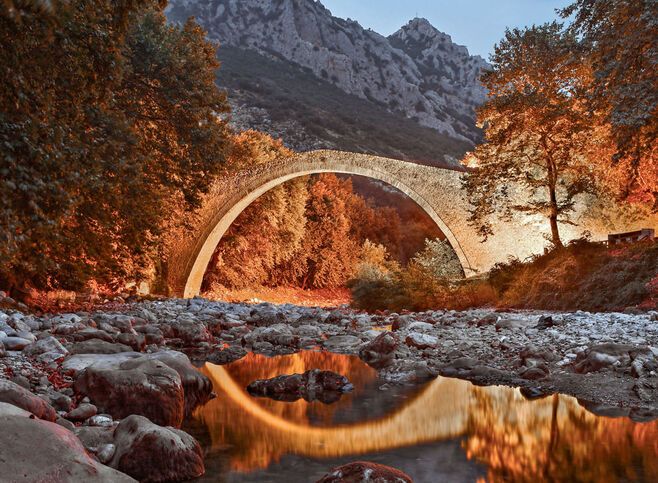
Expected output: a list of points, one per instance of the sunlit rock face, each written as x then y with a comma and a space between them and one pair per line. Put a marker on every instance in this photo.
418, 70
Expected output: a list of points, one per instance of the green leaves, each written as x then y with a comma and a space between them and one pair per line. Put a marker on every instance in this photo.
100, 139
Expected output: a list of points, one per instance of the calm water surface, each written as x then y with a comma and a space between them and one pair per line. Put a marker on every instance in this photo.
447, 430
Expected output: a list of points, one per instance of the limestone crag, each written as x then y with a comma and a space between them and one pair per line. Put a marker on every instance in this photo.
417, 71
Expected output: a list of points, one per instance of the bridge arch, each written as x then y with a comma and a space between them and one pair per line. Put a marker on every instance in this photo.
224, 218
438, 191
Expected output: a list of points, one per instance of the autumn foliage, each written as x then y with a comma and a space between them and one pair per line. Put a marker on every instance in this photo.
108, 123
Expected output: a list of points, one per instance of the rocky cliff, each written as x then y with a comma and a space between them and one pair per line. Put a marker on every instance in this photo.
417, 73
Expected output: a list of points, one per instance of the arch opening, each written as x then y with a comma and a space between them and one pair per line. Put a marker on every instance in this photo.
220, 224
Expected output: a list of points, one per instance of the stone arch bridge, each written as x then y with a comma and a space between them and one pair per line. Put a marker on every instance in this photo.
436, 190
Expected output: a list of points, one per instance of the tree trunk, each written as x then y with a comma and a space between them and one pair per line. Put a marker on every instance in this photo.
554, 211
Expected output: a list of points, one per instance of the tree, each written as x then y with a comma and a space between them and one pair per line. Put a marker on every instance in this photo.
439, 260
536, 131
108, 120
621, 45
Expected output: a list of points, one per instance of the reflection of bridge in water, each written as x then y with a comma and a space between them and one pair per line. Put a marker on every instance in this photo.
499, 427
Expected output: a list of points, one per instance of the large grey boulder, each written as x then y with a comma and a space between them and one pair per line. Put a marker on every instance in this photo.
98, 346
153, 453
20, 397
40, 451
45, 350
137, 386
196, 386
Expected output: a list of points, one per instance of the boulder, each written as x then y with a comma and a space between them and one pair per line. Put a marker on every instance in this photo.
226, 356
15, 343
343, 344
325, 386
604, 356
421, 341
79, 362
92, 333
46, 350
137, 386
191, 332
152, 453
19, 396
365, 472
197, 387
35, 450
98, 346
136, 341
380, 351
82, 412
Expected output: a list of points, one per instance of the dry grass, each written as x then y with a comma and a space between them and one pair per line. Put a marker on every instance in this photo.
282, 295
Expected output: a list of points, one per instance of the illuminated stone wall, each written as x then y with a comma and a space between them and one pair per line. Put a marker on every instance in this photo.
437, 191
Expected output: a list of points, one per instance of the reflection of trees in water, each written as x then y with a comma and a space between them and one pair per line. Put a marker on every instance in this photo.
555, 439
519, 440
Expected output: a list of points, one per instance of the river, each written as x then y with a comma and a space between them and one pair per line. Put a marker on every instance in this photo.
444, 430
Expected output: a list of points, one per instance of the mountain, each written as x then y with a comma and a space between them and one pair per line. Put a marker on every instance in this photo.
296, 71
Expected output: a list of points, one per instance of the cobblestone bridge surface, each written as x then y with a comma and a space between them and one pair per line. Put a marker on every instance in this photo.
436, 190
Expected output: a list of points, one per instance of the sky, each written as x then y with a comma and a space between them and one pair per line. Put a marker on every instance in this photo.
477, 24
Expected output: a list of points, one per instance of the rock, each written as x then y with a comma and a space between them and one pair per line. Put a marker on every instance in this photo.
325, 386
365, 472
92, 333
535, 373
44, 451
20, 397
15, 343
93, 437
191, 332
97, 346
136, 342
603, 356
61, 402
78, 362
82, 412
532, 393
407, 372
459, 367
420, 327
489, 319
65, 423
342, 344
311, 331
105, 453
226, 356
545, 322
7, 409
512, 324
421, 341
646, 391
21, 381
152, 453
100, 420
197, 387
46, 350
137, 386
3, 351
380, 351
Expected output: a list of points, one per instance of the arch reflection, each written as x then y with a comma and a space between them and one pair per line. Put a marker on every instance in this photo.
518, 440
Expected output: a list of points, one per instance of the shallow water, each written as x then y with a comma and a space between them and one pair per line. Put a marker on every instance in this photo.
446, 430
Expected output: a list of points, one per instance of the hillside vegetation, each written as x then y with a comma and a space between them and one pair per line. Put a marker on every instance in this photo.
309, 113
581, 276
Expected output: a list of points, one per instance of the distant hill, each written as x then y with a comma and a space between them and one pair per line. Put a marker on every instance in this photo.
317, 81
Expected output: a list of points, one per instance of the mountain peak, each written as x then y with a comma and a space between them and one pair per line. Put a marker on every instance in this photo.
418, 71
